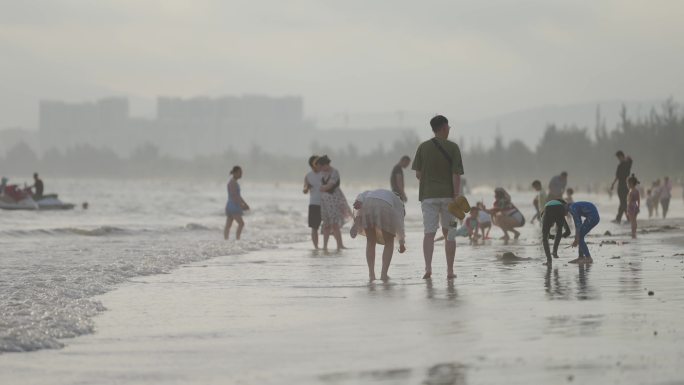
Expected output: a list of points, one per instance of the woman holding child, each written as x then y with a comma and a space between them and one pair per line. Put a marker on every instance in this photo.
335, 210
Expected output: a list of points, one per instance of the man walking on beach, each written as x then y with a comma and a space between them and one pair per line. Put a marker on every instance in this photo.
438, 167
623, 171
397, 177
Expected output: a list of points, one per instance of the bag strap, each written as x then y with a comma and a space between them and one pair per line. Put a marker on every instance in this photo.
443, 151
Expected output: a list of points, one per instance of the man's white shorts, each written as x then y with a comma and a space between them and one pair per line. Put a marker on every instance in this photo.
435, 212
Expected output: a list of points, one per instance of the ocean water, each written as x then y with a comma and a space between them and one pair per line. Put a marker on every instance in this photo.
53, 262
185, 306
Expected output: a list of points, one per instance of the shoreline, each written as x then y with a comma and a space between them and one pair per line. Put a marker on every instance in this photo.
294, 315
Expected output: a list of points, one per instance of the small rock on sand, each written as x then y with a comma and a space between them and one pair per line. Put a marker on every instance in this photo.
651, 293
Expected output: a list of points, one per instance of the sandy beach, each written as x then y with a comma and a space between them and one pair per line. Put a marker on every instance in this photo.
292, 315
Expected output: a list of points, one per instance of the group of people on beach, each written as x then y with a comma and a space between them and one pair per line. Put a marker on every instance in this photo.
379, 214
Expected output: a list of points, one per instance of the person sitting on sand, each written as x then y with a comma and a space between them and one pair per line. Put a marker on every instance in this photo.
484, 220
589, 212
554, 212
633, 203
380, 217
505, 214
235, 204
472, 225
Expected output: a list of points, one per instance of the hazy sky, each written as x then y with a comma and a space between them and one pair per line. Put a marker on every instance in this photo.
470, 59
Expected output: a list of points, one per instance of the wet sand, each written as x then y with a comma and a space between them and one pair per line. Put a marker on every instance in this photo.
291, 315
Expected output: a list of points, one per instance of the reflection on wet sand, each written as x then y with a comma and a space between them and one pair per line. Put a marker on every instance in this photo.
555, 288
441, 374
584, 290
451, 293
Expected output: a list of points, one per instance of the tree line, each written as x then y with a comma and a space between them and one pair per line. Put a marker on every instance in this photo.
655, 142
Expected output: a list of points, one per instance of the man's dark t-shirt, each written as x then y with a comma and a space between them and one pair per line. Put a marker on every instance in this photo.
397, 170
623, 171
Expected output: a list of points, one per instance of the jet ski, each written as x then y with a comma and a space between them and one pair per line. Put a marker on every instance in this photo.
14, 198
52, 202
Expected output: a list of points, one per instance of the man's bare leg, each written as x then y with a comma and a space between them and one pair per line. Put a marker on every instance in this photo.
428, 249
450, 251
314, 238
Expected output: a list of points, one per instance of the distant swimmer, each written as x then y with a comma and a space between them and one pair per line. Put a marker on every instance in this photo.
380, 217
312, 186
588, 212
235, 204
633, 203
621, 174
554, 212
397, 177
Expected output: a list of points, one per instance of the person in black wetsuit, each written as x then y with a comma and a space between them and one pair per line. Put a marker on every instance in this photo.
38, 186
554, 212
623, 172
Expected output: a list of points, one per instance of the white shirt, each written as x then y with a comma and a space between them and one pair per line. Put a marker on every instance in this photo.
315, 182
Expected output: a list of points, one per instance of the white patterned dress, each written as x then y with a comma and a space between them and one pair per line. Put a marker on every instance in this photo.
335, 209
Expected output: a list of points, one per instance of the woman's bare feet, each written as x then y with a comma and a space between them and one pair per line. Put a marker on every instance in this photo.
371, 277
428, 275
385, 278
451, 276
555, 256
516, 234
588, 260
577, 260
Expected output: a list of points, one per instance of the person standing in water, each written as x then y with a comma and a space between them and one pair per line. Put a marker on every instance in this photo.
334, 207
539, 201
312, 186
380, 217
438, 166
624, 168
589, 212
557, 186
666, 195
633, 203
397, 177
235, 205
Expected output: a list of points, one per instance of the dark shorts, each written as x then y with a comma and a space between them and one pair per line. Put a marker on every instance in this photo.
314, 216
